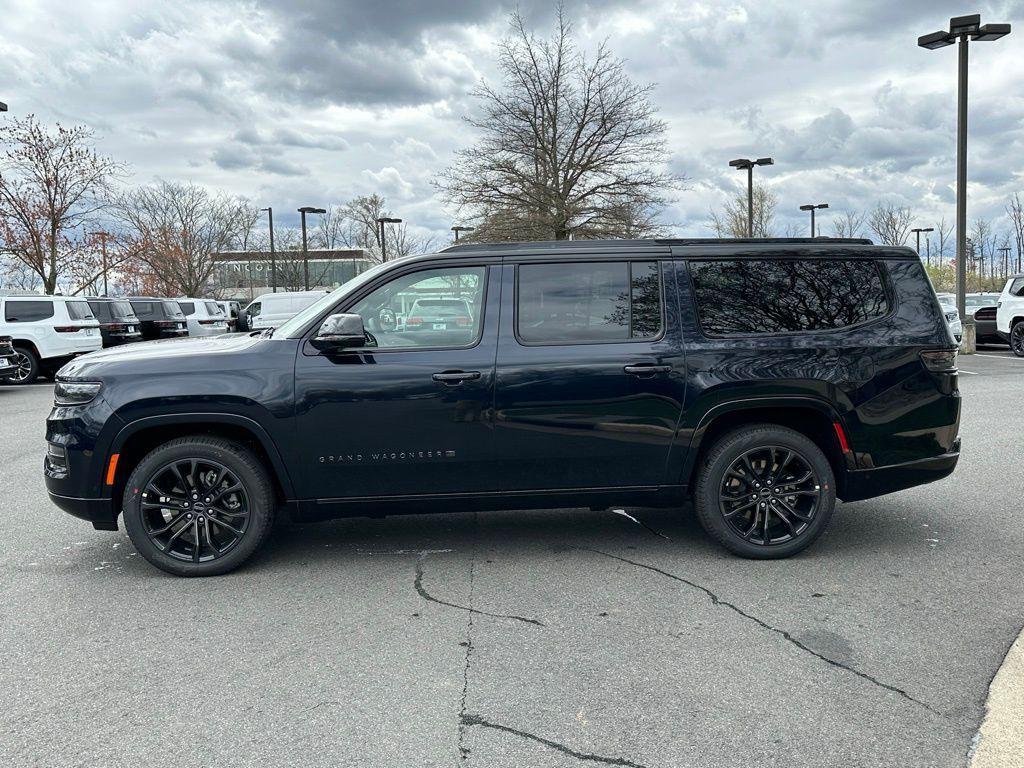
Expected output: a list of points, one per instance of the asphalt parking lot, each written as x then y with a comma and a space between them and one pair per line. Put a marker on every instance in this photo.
521, 639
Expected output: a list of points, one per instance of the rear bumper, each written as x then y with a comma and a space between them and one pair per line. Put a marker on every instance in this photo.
99, 512
878, 481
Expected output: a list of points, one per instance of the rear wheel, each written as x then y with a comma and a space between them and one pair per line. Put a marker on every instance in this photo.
765, 491
27, 366
198, 506
1017, 338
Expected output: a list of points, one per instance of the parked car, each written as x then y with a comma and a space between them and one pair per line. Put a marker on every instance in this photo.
118, 323
231, 310
47, 331
952, 315
205, 317
439, 314
1010, 314
8, 361
982, 307
159, 318
272, 309
764, 379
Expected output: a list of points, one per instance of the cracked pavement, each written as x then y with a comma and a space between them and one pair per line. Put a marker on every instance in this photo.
565, 638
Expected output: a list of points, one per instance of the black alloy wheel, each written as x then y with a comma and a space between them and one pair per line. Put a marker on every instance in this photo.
1017, 339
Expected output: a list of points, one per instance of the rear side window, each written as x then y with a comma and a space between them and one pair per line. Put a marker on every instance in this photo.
1017, 287
187, 307
80, 310
143, 308
750, 297
27, 311
588, 302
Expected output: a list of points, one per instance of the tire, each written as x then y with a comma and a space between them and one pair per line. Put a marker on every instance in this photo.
28, 367
729, 498
186, 474
1017, 338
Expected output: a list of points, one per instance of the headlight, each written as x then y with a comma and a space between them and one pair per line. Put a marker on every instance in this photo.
75, 392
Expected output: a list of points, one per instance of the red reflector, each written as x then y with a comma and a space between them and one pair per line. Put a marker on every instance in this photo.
112, 468
844, 444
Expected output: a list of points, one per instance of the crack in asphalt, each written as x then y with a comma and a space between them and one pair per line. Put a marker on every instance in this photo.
625, 514
463, 749
716, 600
418, 583
471, 720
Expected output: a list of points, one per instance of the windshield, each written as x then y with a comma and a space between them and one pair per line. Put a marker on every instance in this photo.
121, 309
292, 328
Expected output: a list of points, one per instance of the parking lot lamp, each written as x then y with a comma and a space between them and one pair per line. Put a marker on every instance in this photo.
305, 250
962, 28
383, 240
748, 165
456, 229
812, 208
3, 107
917, 231
273, 261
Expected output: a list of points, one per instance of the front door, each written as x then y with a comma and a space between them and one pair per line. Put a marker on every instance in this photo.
590, 376
409, 413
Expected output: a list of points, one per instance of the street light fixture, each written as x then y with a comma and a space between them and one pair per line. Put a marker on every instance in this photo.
383, 241
305, 251
456, 229
273, 262
748, 165
812, 208
3, 107
964, 28
917, 231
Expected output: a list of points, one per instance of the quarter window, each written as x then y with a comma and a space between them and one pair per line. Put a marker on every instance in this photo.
588, 302
27, 311
749, 297
431, 308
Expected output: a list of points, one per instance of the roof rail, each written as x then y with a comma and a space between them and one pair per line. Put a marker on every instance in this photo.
682, 241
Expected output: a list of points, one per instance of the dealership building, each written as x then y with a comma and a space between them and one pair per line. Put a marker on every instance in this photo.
244, 275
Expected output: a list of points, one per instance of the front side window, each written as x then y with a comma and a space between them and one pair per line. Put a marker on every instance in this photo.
751, 297
27, 311
588, 302
432, 308
255, 308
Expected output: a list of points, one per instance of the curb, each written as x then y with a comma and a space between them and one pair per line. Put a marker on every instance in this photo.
999, 742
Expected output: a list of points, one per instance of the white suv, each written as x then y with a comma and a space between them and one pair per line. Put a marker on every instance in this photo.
47, 331
1010, 314
205, 317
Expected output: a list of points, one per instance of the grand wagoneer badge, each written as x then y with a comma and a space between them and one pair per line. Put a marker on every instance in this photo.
385, 456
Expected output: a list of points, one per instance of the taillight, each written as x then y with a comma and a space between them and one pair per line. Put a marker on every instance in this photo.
165, 323
209, 322
463, 321
68, 328
414, 321
115, 326
939, 360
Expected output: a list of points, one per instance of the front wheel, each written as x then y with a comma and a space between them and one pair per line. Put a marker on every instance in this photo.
765, 491
1017, 338
198, 506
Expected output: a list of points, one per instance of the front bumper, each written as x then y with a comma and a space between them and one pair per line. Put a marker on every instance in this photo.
878, 481
99, 512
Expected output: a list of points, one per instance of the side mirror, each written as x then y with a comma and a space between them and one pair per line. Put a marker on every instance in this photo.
340, 332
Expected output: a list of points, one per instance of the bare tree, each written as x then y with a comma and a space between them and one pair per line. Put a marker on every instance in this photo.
850, 224
731, 221
1015, 209
179, 228
53, 186
944, 232
984, 239
891, 223
567, 144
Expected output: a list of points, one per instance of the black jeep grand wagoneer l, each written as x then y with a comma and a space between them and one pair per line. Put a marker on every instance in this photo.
764, 379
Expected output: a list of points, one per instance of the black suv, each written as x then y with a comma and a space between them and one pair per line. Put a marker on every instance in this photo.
159, 318
118, 322
763, 379
8, 358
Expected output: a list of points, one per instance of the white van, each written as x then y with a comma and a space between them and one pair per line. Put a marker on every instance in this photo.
272, 309
46, 332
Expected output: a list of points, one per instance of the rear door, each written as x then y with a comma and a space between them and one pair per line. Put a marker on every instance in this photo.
590, 376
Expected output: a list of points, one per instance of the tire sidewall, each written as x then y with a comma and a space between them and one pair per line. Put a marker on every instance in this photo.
721, 457
245, 467
1018, 331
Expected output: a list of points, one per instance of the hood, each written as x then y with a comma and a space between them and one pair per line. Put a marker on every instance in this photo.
157, 355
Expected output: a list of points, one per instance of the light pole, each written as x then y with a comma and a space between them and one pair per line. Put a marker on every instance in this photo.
812, 208
917, 231
273, 261
964, 28
383, 240
103, 247
305, 251
1005, 250
748, 165
457, 229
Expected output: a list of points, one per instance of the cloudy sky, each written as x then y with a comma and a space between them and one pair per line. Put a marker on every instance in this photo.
296, 103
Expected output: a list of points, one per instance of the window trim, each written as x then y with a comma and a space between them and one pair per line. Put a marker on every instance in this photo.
883, 274
627, 260
387, 277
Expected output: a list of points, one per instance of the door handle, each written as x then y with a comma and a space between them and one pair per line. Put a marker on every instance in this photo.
646, 369
455, 377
